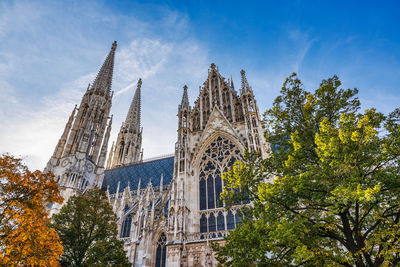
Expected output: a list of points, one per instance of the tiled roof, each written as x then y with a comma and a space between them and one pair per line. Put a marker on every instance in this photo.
144, 171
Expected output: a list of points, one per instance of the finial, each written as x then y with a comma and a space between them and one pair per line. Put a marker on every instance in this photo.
139, 82
213, 66
114, 46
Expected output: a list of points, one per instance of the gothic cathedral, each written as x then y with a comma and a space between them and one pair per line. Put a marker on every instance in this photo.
167, 207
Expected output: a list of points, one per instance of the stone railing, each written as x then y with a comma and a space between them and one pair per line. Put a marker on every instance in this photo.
198, 237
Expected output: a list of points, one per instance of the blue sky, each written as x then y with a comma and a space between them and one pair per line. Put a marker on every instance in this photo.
51, 50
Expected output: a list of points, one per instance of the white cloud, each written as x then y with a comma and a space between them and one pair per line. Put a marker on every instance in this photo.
164, 67
33, 119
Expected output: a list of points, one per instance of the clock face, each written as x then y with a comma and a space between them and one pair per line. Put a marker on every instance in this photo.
64, 163
89, 167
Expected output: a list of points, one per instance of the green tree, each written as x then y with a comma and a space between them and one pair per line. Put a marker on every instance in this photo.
329, 193
87, 228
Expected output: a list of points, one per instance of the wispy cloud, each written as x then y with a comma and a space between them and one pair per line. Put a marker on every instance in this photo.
303, 43
34, 109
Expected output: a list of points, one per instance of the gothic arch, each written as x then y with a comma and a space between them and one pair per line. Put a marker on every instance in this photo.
160, 249
200, 151
210, 180
126, 226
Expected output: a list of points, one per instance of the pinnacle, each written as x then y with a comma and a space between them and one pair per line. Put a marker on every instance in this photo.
185, 98
245, 85
231, 84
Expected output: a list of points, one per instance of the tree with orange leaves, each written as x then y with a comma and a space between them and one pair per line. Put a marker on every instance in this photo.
26, 238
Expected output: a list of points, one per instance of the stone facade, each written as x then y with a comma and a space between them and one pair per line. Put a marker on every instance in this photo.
79, 158
167, 207
170, 222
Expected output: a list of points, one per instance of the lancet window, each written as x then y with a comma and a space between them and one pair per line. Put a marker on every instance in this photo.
161, 252
126, 226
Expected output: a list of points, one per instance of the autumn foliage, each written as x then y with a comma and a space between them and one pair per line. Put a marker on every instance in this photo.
25, 236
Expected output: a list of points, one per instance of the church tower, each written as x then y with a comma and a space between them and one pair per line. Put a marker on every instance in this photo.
79, 157
169, 208
212, 135
128, 148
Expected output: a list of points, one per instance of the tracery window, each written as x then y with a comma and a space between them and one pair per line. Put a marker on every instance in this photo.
161, 252
126, 226
218, 158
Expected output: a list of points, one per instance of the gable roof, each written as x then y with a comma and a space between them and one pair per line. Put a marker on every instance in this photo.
152, 169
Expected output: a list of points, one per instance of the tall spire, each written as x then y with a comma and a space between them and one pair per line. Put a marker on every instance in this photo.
132, 120
102, 83
128, 147
245, 85
185, 98
78, 162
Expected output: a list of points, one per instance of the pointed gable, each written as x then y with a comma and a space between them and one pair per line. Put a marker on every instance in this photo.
218, 122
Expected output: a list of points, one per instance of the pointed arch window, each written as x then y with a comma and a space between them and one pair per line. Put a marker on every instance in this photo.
220, 222
230, 221
211, 223
126, 226
218, 157
161, 252
203, 224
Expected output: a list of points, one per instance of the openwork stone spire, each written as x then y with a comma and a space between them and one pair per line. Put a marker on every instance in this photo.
245, 85
128, 148
185, 98
132, 120
103, 81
